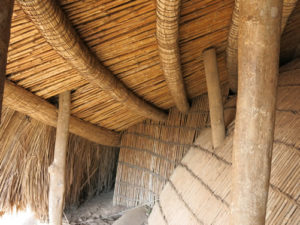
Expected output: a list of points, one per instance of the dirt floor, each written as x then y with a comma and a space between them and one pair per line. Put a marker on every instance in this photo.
97, 211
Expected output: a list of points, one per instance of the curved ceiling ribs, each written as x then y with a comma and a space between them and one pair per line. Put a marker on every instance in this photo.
168, 13
232, 46
57, 30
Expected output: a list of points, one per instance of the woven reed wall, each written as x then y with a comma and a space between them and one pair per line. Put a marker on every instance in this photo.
150, 151
198, 192
26, 151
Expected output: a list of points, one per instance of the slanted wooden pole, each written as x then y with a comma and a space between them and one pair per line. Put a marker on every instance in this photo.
21, 100
214, 97
6, 9
258, 56
57, 168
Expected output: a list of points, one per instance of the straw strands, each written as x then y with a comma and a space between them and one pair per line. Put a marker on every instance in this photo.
26, 151
199, 190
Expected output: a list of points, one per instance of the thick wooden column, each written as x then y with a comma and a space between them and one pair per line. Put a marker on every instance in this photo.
258, 56
57, 168
214, 97
6, 9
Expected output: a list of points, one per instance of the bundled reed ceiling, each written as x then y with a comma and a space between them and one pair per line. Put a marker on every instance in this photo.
26, 151
57, 30
199, 190
167, 21
232, 46
122, 35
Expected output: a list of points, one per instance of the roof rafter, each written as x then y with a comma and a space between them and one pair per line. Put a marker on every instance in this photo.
167, 23
59, 33
232, 46
21, 100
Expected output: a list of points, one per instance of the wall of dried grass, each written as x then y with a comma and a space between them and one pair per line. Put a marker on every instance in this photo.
150, 151
26, 151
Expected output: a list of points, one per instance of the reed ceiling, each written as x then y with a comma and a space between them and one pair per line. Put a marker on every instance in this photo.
122, 34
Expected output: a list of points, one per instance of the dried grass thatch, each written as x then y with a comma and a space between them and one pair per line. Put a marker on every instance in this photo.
199, 190
26, 151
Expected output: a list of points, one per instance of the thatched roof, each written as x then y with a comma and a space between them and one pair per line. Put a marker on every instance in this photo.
108, 54
122, 36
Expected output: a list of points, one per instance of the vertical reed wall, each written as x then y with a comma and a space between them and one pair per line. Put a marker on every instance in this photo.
150, 151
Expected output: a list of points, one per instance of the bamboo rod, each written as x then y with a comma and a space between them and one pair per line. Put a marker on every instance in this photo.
6, 10
58, 166
258, 56
216, 110
17, 98
167, 23
57, 30
232, 46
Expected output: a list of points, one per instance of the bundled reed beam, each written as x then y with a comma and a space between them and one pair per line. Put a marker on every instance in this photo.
232, 46
23, 101
6, 10
216, 111
167, 24
57, 30
258, 57
58, 166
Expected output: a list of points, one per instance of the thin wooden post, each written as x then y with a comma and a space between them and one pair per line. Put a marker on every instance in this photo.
214, 97
258, 56
6, 10
57, 168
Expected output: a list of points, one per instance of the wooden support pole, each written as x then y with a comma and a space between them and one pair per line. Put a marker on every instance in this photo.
57, 168
21, 100
214, 96
6, 10
258, 56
